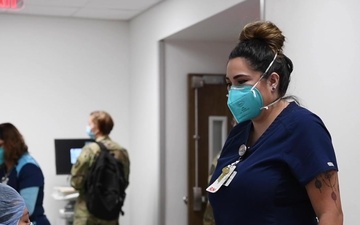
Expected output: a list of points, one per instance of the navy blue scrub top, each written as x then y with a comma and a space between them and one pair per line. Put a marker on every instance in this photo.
27, 174
269, 187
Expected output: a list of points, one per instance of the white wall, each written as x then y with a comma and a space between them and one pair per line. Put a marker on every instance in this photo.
323, 42
54, 72
146, 31
181, 59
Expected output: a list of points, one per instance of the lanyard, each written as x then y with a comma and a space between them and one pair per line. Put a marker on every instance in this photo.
228, 173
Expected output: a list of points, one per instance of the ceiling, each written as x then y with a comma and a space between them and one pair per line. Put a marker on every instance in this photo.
224, 26
93, 9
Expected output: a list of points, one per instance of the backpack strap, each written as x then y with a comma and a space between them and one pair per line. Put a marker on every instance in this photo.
101, 145
96, 154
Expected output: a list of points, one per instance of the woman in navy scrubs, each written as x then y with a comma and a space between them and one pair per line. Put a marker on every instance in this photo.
278, 165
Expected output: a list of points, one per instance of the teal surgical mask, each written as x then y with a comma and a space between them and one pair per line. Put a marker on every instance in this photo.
246, 102
2, 151
90, 132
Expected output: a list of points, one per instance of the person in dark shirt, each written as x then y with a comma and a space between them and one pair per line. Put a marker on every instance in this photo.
20, 170
278, 164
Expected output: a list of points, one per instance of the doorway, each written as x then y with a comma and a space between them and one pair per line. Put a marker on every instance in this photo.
209, 121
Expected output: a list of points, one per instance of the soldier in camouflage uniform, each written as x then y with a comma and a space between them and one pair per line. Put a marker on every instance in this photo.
208, 218
99, 128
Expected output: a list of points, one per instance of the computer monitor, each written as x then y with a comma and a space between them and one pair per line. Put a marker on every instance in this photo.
66, 153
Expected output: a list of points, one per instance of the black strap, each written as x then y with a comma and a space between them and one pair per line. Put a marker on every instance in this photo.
102, 146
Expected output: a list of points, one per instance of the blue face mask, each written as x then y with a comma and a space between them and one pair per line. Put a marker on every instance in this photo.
90, 132
1, 155
244, 102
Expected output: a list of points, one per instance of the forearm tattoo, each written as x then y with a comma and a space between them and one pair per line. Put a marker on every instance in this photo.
328, 179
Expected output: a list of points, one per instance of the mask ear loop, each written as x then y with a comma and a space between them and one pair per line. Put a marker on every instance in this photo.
271, 104
267, 69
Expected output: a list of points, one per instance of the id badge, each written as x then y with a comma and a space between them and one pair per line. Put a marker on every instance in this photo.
218, 183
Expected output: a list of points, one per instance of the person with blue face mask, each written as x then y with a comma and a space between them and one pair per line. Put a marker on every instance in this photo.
100, 125
278, 164
246, 102
22, 172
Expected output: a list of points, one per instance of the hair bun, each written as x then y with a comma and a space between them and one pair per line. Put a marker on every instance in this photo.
265, 31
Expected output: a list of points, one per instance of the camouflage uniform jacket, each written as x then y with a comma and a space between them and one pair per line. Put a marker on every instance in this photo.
208, 218
79, 172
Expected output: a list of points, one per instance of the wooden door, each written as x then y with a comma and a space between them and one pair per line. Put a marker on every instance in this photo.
209, 121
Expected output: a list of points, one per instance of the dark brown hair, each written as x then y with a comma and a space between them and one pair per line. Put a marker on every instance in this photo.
14, 143
103, 121
258, 43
